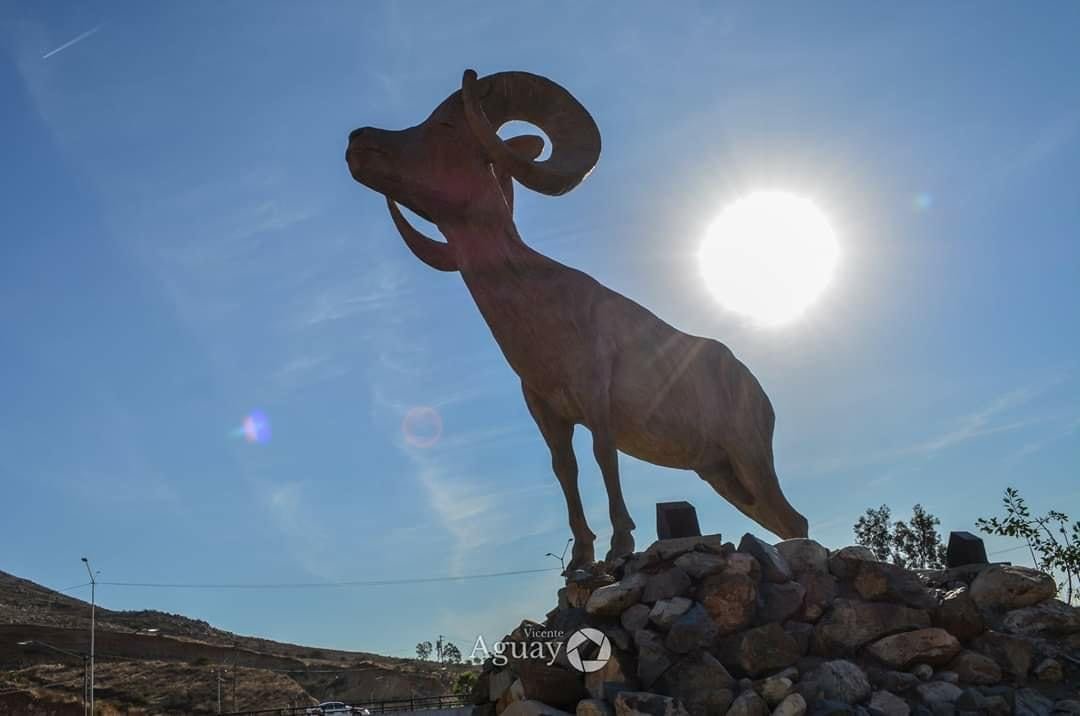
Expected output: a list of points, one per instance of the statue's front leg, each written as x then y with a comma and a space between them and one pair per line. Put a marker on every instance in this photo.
559, 434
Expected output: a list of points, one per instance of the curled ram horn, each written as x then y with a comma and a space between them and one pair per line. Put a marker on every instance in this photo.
505, 96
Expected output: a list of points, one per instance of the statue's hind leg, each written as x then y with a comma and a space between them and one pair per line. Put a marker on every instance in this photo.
607, 457
606, 452
558, 433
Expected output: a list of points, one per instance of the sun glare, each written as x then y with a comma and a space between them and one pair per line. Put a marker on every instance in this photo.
768, 256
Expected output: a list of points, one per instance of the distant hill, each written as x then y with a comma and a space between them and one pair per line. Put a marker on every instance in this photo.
172, 670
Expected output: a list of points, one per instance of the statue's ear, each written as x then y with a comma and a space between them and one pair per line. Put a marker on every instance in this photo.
528, 146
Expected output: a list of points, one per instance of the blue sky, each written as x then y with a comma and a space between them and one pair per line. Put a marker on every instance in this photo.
181, 244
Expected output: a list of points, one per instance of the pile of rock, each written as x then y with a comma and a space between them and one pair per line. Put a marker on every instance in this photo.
697, 626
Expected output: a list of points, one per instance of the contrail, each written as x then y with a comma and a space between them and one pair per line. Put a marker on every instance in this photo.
69, 43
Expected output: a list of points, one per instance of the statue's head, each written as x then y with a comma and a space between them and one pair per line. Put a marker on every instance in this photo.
454, 164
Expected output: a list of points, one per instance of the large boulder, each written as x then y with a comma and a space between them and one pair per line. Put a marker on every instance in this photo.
594, 707
512, 695
775, 689
820, 593
973, 701
936, 694
930, 646
891, 680
804, 555
887, 704
1048, 670
701, 683
666, 611
792, 705
780, 602
672, 582
841, 680
532, 708
881, 581
701, 564
1052, 618
498, 682
635, 617
774, 568
614, 599
1030, 702
958, 615
693, 630
620, 668
653, 658
850, 624
550, 684
744, 564
760, 650
844, 563
975, 668
748, 703
1012, 653
1004, 587
730, 600
666, 549
642, 703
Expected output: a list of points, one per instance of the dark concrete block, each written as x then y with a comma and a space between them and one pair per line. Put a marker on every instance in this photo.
676, 519
964, 548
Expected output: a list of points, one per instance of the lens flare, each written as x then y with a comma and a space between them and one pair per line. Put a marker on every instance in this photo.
256, 427
422, 426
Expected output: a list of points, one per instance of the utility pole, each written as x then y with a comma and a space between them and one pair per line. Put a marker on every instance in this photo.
93, 609
218, 675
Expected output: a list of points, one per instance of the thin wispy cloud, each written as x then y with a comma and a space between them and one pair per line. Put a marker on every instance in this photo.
994, 418
1070, 428
75, 40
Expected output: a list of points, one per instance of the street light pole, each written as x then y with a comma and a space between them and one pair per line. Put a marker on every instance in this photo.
93, 609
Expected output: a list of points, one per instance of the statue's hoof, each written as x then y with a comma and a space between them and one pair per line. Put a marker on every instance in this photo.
585, 560
621, 546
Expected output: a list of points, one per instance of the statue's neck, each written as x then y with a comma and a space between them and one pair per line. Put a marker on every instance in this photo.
488, 247
488, 243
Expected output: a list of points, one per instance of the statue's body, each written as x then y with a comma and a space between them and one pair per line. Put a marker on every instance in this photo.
585, 354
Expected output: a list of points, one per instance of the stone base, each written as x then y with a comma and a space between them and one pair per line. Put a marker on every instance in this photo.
694, 626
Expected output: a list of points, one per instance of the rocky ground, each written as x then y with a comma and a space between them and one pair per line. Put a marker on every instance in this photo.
696, 626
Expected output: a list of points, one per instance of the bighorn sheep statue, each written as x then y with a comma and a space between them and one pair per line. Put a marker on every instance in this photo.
585, 354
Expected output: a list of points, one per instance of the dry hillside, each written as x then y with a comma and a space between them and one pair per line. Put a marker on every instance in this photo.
172, 670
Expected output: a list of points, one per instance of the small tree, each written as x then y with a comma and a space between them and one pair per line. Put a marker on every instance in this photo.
918, 540
423, 650
451, 654
872, 530
914, 544
1054, 544
464, 683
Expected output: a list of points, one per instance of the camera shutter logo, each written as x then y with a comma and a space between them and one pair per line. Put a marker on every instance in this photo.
588, 639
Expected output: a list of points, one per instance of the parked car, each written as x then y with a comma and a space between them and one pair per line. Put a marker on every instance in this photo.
332, 707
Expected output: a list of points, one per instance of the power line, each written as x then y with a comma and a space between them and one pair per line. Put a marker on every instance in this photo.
325, 585
1010, 549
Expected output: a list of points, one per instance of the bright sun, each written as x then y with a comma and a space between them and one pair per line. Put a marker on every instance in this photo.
768, 256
